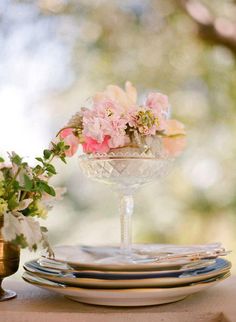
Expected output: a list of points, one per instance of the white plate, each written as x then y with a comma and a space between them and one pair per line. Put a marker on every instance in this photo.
220, 267
125, 297
150, 256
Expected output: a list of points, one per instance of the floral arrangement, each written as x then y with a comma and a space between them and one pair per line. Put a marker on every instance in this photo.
26, 196
116, 120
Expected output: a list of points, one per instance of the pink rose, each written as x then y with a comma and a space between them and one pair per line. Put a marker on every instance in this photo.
70, 139
92, 146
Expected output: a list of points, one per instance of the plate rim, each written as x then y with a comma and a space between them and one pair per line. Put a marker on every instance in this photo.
131, 290
132, 283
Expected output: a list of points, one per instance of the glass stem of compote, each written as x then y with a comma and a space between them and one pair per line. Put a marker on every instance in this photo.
126, 212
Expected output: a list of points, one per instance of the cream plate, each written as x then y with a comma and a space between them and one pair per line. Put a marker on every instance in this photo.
53, 266
82, 280
151, 256
125, 297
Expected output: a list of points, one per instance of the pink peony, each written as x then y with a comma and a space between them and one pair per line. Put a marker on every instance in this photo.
70, 139
94, 127
106, 108
158, 103
105, 120
116, 131
92, 146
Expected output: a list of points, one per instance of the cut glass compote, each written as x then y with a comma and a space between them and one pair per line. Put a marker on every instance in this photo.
126, 171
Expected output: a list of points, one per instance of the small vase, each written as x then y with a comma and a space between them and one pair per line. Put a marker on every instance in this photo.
9, 263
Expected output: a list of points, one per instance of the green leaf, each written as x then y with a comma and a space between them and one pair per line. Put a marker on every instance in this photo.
16, 159
63, 159
50, 168
47, 154
15, 185
60, 144
20, 240
48, 189
28, 183
39, 159
1, 159
38, 169
13, 203
44, 229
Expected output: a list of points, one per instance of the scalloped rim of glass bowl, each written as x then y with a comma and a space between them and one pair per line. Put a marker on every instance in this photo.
125, 156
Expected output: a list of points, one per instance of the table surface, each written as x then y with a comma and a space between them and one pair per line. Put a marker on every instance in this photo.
34, 304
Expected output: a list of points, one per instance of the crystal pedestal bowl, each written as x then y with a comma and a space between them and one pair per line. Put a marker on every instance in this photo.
125, 172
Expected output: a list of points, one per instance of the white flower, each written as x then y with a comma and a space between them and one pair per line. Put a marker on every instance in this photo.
16, 224
31, 231
11, 228
24, 204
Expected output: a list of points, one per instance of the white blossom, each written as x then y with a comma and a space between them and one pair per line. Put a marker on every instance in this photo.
16, 224
11, 228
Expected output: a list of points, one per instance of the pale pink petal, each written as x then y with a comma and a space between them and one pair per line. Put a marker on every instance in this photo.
70, 139
158, 102
98, 97
118, 95
173, 146
65, 132
131, 92
174, 127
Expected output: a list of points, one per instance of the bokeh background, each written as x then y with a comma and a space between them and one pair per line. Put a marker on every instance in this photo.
54, 54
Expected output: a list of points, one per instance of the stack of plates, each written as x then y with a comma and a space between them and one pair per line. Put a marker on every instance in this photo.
163, 273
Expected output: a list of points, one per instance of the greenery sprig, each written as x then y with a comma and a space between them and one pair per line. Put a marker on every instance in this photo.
26, 195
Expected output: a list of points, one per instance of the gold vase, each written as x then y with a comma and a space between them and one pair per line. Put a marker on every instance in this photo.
9, 263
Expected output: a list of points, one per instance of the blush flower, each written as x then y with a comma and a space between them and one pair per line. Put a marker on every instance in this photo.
115, 120
126, 99
107, 108
92, 146
94, 127
158, 103
71, 140
174, 127
173, 146
175, 140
